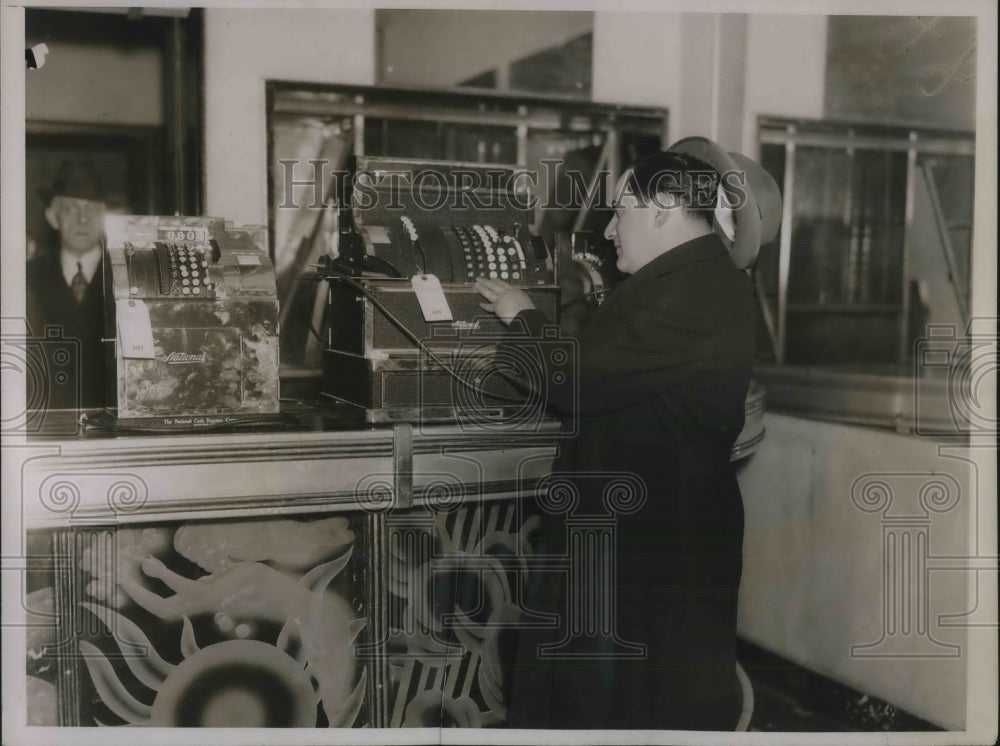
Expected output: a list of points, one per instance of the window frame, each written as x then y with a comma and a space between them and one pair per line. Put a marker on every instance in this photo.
907, 399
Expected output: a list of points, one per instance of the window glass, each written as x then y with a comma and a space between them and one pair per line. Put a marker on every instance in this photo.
861, 283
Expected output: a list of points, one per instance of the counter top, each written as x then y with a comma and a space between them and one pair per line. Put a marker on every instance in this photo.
937, 403
100, 478
74, 476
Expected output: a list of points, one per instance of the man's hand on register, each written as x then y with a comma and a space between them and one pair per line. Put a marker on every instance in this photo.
503, 299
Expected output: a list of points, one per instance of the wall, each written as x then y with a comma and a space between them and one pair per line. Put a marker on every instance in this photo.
243, 49
785, 70
886, 65
92, 83
688, 63
637, 59
714, 72
730, 84
441, 48
814, 567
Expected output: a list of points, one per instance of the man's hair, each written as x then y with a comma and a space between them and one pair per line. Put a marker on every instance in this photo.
691, 179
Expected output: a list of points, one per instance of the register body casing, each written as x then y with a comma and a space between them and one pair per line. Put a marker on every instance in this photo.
215, 349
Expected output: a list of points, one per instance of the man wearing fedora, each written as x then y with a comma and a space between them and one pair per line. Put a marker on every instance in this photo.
64, 286
662, 376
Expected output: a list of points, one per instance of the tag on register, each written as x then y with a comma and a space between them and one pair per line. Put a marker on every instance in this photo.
431, 298
135, 332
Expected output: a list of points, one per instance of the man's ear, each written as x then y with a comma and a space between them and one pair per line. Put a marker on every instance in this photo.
662, 206
660, 215
52, 216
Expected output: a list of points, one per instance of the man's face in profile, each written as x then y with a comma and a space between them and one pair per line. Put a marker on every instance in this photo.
640, 231
627, 228
80, 222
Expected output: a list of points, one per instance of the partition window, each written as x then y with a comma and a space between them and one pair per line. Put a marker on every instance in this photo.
874, 250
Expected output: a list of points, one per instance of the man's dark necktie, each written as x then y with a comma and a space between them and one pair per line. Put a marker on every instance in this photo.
79, 284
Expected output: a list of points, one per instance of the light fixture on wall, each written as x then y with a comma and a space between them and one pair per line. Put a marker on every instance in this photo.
34, 57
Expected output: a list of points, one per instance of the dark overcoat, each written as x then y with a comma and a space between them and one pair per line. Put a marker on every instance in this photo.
664, 367
50, 303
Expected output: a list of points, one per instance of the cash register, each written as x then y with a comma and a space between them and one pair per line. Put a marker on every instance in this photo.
406, 338
191, 322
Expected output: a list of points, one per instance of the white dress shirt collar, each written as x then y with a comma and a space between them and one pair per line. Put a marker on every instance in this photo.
88, 262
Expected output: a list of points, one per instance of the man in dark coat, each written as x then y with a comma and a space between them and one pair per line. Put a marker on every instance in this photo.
664, 367
64, 289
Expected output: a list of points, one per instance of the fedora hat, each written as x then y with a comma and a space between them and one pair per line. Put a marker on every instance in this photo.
76, 179
754, 199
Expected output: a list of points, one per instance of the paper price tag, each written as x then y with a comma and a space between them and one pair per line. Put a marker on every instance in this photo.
135, 332
431, 298
248, 260
378, 234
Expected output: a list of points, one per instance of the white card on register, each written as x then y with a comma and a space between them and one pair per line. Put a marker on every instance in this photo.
378, 234
431, 298
248, 260
135, 332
